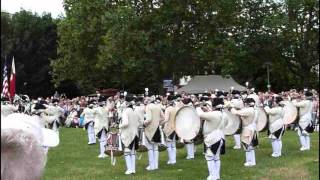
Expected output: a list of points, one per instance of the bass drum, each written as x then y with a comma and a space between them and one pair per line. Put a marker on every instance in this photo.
114, 145
290, 112
232, 123
187, 123
262, 119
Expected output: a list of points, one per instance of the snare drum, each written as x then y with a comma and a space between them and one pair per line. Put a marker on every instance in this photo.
114, 145
142, 141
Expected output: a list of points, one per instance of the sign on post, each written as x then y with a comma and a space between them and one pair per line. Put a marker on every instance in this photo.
167, 84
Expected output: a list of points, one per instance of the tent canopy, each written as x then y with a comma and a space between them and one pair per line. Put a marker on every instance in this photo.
201, 84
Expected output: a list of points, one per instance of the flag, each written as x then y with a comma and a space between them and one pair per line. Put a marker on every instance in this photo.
5, 85
13, 80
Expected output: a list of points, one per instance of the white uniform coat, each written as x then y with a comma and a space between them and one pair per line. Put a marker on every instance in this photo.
154, 116
305, 112
89, 115
168, 122
140, 110
54, 112
101, 119
247, 115
129, 126
213, 125
275, 118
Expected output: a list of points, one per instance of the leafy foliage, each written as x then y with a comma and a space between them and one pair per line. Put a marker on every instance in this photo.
31, 40
133, 44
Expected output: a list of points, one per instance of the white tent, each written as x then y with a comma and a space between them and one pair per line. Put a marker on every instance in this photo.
201, 84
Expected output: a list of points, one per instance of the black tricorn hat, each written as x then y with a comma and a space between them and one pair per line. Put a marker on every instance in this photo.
177, 96
308, 94
219, 94
244, 92
55, 100
139, 99
235, 92
44, 102
204, 98
39, 106
217, 101
23, 97
170, 98
102, 98
186, 100
278, 99
249, 100
92, 101
129, 98
4, 99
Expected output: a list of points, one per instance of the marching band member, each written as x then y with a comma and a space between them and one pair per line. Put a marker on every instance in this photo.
276, 125
248, 134
54, 112
129, 135
315, 111
101, 126
305, 121
169, 130
237, 103
140, 109
154, 116
89, 117
214, 143
178, 102
7, 108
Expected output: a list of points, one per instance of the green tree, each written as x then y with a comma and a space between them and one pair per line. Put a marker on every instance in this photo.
136, 44
31, 40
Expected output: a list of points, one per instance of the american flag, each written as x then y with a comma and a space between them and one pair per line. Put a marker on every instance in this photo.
5, 85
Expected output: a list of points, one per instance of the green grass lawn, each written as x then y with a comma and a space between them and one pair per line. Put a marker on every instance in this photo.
74, 159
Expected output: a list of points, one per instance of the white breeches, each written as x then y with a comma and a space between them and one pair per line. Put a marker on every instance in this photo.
214, 163
91, 135
130, 158
103, 141
276, 147
190, 150
171, 148
153, 155
250, 155
304, 138
237, 140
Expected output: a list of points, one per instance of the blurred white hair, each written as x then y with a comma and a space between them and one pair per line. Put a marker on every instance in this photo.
22, 157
